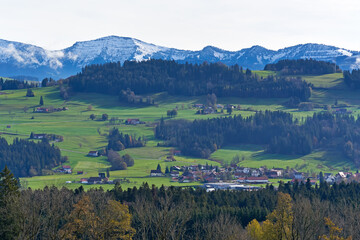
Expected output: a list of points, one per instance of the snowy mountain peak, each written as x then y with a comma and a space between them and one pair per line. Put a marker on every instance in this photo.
24, 59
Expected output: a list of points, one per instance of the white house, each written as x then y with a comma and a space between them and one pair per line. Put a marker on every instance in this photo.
156, 173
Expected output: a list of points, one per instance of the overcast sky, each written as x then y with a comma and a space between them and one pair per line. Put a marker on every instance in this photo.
184, 24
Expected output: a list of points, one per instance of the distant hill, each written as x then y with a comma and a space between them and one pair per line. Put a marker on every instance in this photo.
23, 59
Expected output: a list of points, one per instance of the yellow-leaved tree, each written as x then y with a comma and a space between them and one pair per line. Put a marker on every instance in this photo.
333, 231
113, 223
278, 224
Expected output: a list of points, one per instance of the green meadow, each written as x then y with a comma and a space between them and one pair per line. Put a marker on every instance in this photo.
82, 135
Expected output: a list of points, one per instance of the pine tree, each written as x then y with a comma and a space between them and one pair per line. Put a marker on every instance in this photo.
158, 167
30, 93
41, 101
9, 195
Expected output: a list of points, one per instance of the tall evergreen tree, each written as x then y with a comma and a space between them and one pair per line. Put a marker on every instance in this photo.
158, 167
9, 196
41, 101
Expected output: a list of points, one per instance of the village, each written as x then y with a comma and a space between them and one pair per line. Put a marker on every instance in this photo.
221, 178
244, 175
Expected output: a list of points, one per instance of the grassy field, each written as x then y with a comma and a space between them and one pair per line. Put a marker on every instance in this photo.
255, 156
82, 134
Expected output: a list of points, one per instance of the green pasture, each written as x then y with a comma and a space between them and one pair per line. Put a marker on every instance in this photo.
82, 134
255, 156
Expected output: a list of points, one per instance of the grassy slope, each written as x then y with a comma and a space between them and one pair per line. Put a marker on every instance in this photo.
81, 134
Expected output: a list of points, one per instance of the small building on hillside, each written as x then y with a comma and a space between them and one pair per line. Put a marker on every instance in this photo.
94, 180
93, 154
38, 136
257, 180
198, 105
80, 172
174, 174
132, 121
41, 110
84, 181
299, 175
67, 169
156, 173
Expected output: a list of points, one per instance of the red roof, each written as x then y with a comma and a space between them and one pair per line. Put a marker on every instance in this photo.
257, 178
66, 167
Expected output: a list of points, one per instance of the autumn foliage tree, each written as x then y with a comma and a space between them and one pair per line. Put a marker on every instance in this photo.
84, 223
334, 231
279, 223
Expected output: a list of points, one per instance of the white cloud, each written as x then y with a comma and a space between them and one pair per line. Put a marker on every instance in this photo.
11, 51
227, 24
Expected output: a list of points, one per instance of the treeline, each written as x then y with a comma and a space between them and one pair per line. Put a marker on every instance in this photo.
15, 84
277, 130
129, 96
184, 79
174, 213
302, 66
119, 162
119, 141
352, 78
27, 158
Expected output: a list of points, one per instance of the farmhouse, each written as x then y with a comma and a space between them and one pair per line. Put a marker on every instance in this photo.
299, 175
84, 181
198, 105
174, 174
176, 168
93, 154
67, 169
94, 180
41, 110
340, 111
132, 121
156, 173
257, 180
38, 136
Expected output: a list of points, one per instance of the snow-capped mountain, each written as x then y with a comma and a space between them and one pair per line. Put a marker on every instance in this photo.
24, 59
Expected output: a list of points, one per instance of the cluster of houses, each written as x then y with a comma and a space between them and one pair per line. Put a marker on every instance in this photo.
101, 179
243, 175
48, 110
341, 111
204, 109
50, 137
210, 174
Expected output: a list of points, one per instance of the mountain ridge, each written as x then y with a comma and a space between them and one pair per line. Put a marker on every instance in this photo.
18, 58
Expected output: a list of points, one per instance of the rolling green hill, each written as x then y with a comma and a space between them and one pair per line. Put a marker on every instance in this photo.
82, 134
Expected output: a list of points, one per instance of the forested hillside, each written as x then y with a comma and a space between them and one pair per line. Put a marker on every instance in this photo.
277, 130
27, 158
15, 84
185, 79
352, 78
302, 66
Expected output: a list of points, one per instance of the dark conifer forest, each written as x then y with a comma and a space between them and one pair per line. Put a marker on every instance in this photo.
15, 84
119, 141
173, 213
352, 78
184, 79
27, 158
276, 130
302, 66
